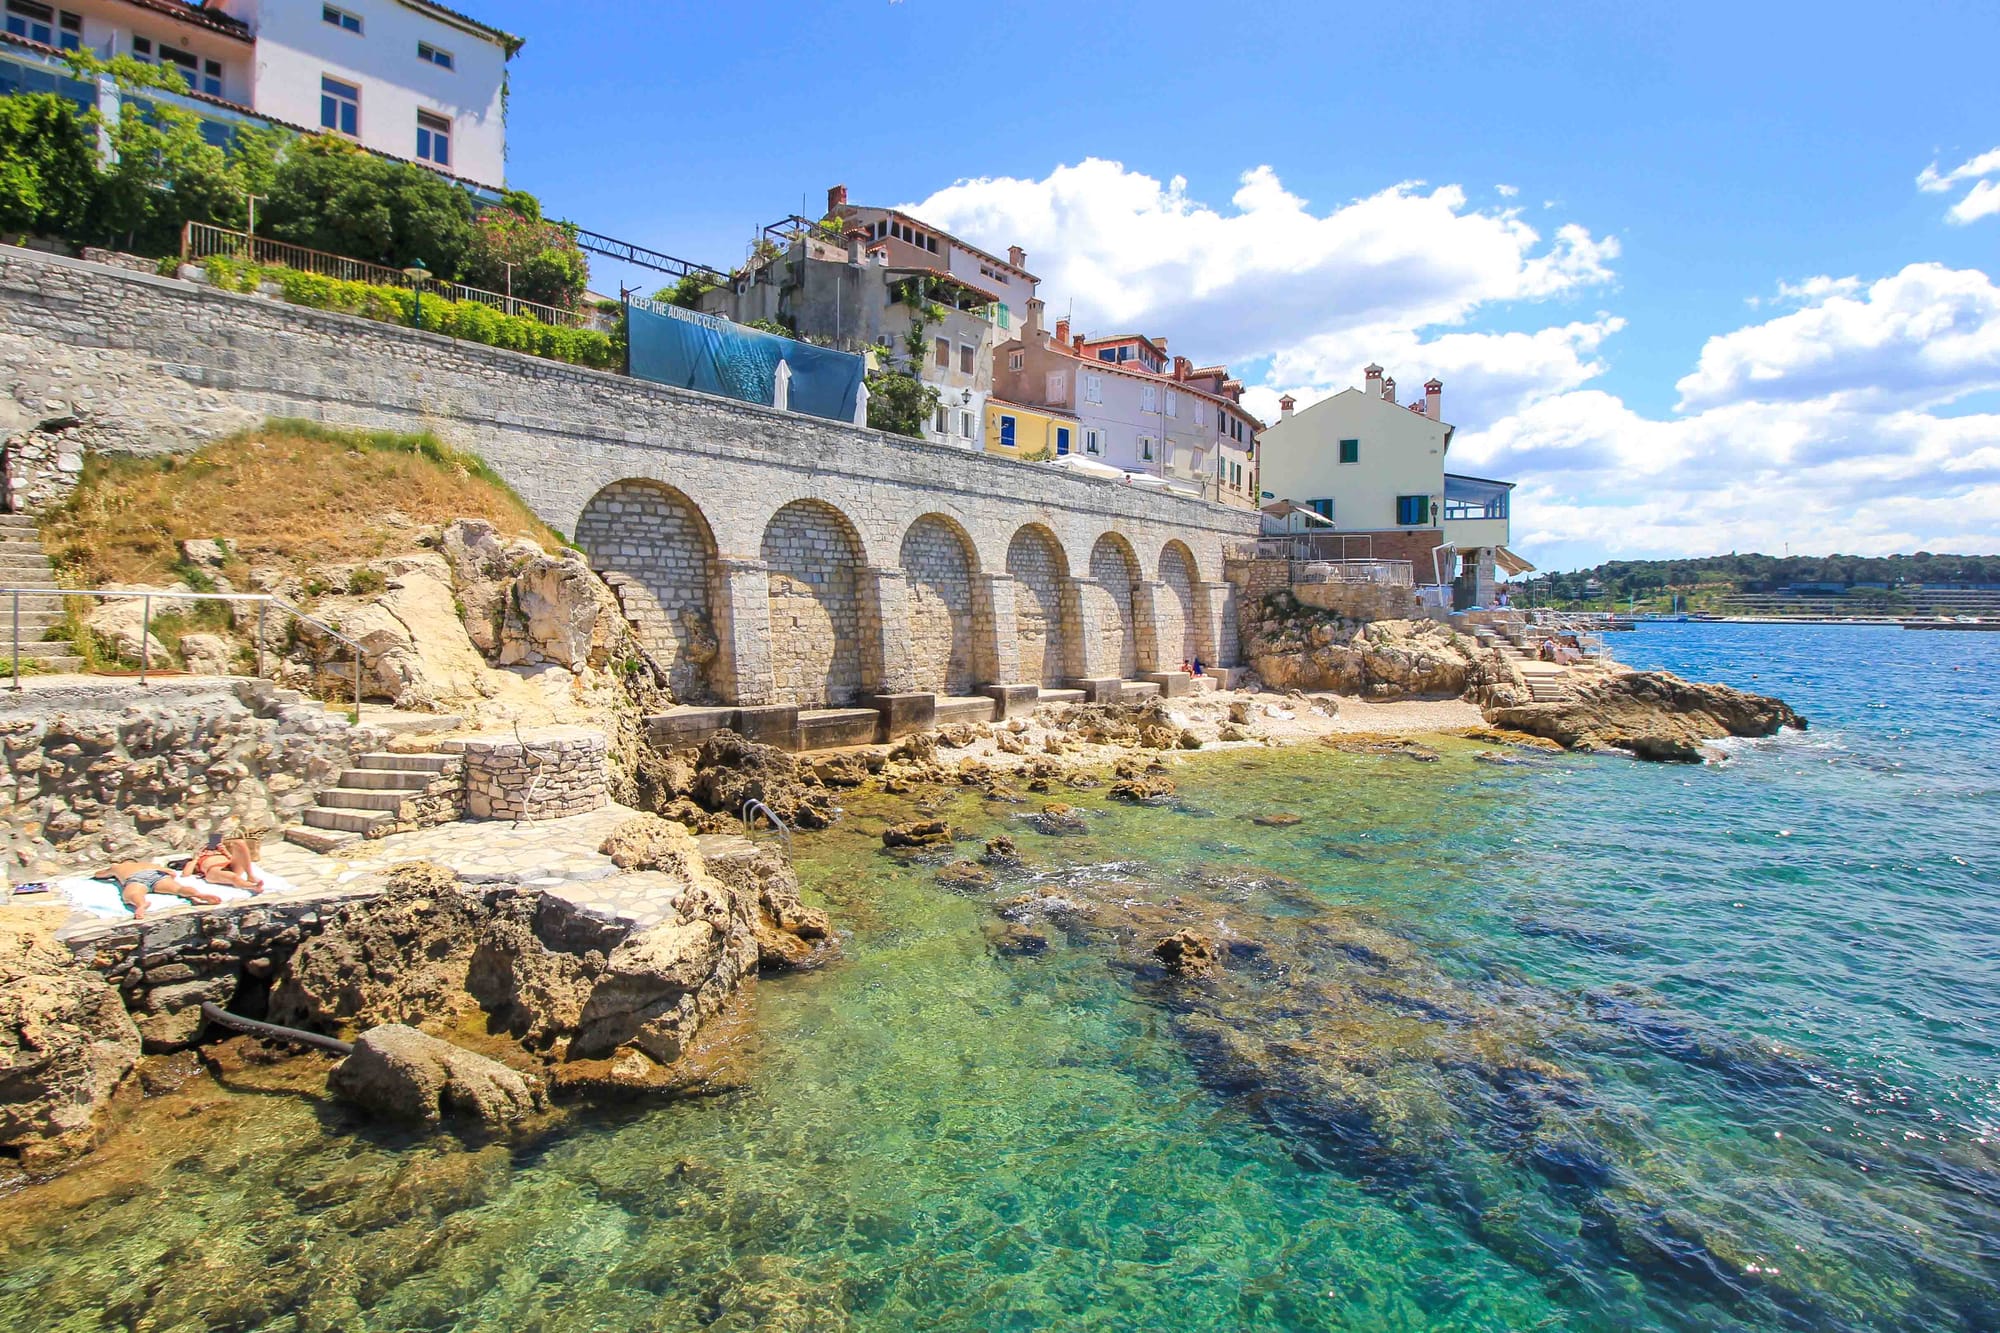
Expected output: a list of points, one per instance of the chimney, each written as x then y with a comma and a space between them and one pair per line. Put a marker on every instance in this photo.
1031, 328
857, 241
1062, 332
1285, 406
1372, 385
836, 199
1434, 399
1389, 389
1161, 343
1182, 368
1076, 344
1017, 256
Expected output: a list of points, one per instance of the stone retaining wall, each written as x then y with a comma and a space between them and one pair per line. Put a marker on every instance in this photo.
545, 774
114, 346
105, 769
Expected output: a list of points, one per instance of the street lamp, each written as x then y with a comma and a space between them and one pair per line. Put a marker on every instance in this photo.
417, 273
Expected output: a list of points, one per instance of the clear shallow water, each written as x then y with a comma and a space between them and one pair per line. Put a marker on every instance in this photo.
1771, 985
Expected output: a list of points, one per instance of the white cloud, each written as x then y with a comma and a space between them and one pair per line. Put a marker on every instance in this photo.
1982, 200
1507, 191
1837, 423
1268, 271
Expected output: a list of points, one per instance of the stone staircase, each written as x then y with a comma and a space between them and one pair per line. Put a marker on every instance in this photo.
363, 804
22, 565
1543, 679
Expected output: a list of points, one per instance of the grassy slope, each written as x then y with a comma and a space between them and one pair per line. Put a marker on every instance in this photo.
292, 494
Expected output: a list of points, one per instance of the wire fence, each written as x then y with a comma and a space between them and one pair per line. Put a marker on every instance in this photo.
200, 241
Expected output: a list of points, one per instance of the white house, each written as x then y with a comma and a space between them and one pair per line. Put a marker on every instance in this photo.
405, 78
1375, 470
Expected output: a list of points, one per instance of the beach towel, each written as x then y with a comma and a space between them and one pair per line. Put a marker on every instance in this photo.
101, 899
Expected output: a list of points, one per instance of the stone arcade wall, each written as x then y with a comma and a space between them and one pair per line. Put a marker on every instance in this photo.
565, 437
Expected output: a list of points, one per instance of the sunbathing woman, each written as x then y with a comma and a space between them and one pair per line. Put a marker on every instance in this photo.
136, 879
230, 859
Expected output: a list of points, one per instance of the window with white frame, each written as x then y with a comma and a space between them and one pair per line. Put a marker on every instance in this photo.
1015, 360
1058, 386
340, 18
433, 139
211, 77
436, 55
1093, 440
1173, 403
339, 106
1149, 397
1200, 413
965, 425
42, 23
1093, 388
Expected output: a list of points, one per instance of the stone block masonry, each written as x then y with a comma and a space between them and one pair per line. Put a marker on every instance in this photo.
712, 571
550, 773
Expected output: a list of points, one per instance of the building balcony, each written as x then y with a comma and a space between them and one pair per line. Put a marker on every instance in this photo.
1476, 511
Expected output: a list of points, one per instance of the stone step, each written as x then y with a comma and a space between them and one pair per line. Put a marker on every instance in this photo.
39, 651
360, 798
364, 822
319, 840
34, 624
407, 763
387, 779
1051, 696
64, 663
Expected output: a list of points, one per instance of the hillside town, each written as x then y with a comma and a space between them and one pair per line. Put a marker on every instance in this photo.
1358, 477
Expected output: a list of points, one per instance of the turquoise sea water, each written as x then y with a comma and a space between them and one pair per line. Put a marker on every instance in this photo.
1672, 1048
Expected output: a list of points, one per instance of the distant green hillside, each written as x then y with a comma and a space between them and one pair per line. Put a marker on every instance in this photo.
1703, 582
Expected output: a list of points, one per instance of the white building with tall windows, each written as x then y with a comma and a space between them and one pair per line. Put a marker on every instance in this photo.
405, 78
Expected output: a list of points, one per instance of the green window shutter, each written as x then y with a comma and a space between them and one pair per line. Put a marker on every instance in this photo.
1350, 451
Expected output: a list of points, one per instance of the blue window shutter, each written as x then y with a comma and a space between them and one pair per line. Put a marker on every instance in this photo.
1007, 431
1062, 439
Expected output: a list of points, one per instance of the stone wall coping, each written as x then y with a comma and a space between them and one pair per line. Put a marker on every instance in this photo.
167, 929
505, 742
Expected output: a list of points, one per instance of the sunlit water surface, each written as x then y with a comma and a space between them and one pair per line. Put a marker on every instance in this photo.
940, 1135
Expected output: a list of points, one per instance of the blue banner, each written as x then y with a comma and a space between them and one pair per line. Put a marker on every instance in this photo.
708, 354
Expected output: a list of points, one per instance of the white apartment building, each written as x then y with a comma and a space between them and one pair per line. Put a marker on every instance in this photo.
405, 78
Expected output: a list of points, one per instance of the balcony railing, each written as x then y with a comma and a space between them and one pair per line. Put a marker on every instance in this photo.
1392, 573
199, 241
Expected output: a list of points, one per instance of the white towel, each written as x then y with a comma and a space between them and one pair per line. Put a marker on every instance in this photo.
101, 899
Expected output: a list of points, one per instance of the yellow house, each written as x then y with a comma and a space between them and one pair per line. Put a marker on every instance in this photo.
1015, 431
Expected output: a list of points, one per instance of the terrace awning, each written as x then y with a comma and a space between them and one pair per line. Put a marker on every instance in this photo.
1511, 563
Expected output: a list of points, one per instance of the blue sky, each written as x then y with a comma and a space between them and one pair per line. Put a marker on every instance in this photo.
1713, 308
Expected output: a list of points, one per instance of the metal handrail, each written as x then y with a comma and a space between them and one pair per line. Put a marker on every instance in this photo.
755, 806
199, 240
265, 602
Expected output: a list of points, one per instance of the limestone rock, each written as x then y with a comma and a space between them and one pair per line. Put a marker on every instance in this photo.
964, 875
415, 652
206, 654
1281, 820
552, 614
1058, 819
482, 567
120, 623
789, 934
919, 833
204, 551
1000, 851
1186, 953
649, 842
1296, 647
731, 770
67, 1046
400, 957
400, 1072
1141, 790
1651, 714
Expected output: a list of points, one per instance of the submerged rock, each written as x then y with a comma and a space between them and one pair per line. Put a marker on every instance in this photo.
1186, 953
964, 875
1058, 820
400, 1072
1141, 790
1650, 714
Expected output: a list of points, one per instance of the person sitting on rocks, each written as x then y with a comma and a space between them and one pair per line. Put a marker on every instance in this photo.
230, 859
135, 879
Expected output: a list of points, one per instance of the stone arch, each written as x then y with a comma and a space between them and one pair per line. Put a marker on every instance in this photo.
818, 610
1114, 576
938, 562
654, 547
1179, 608
1043, 608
